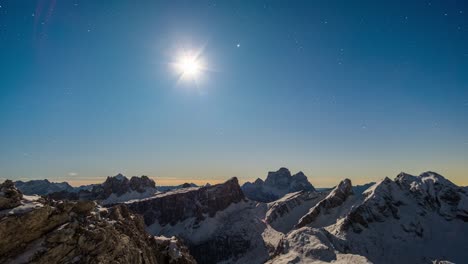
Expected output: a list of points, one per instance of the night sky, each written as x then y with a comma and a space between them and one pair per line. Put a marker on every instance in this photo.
358, 89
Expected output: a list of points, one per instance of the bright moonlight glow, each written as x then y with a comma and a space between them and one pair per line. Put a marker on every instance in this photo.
189, 66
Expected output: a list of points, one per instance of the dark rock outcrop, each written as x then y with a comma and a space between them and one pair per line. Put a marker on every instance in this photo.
9, 196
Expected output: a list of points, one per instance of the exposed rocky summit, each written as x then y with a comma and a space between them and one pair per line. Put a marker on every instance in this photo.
81, 232
276, 185
42, 187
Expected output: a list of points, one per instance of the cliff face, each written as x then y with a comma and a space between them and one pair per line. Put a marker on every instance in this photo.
175, 206
216, 222
42, 231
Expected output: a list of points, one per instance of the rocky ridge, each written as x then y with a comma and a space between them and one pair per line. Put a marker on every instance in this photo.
333, 200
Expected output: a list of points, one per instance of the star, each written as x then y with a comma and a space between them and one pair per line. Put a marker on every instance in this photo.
238, 45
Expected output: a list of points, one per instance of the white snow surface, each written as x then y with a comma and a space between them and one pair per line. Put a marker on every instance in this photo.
163, 194
130, 196
27, 205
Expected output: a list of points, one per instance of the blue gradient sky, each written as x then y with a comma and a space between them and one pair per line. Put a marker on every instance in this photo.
333, 88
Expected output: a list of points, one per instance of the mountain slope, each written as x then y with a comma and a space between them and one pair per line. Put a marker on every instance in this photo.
284, 213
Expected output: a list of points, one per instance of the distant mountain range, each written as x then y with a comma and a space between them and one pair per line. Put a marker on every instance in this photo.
113, 190
284, 219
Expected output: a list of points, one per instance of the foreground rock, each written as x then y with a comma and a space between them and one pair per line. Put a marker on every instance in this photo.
276, 185
80, 232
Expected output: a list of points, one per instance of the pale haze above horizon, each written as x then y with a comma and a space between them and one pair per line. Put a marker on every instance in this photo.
202, 91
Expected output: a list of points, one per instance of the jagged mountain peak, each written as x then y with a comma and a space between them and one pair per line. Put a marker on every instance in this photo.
258, 181
345, 186
276, 185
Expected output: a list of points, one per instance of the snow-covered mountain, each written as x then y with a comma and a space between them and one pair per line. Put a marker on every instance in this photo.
276, 185
413, 219
42, 187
